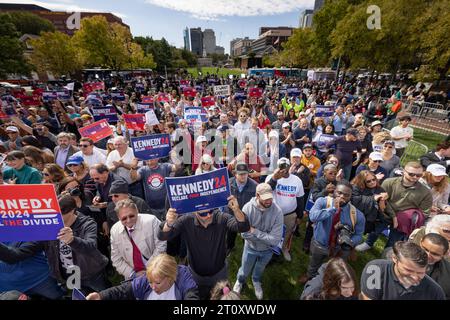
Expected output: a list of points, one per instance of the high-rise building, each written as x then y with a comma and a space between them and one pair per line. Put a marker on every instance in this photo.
306, 18
209, 41
187, 39
242, 46
196, 41
318, 4
219, 50
232, 43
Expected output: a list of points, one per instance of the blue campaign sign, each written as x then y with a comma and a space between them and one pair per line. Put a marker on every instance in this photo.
293, 92
200, 192
324, 139
151, 147
240, 95
118, 96
324, 111
29, 213
108, 112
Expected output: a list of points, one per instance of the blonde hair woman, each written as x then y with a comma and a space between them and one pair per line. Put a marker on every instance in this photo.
435, 178
164, 280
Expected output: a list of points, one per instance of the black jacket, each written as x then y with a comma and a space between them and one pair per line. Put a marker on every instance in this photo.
247, 193
319, 188
364, 201
84, 250
440, 273
430, 158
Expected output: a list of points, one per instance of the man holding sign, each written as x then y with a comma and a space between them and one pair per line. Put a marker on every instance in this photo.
205, 233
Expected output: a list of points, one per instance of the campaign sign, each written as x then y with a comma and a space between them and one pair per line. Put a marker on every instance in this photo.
208, 101
242, 83
48, 96
63, 95
93, 86
193, 114
199, 88
324, 111
163, 97
212, 81
118, 96
147, 100
151, 147
222, 91
29, 213
144, 107
255, 92
200, 192
140, 87
240, 95
29, 101
108, 112
150, 118
135, 121
189, 92
97, 130
324, 139
293, 92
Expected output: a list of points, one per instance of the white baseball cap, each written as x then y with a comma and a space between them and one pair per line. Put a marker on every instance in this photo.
296, 152
273, 134
201, 139
376, 156
286, 125
436, 170
12, 129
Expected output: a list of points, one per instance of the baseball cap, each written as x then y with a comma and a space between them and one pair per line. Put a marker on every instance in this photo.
12, 129
201, 139
223, 128
279, 113
296, 152
273, 134
436, 170
265, 191
241, 168
376, 123
118, 186
376, 156
77, 160
286, 125
307, 145
283, 161
206, 158
353, 132
86, 117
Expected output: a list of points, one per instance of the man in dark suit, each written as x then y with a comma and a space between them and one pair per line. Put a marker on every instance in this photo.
64, 150
440, 156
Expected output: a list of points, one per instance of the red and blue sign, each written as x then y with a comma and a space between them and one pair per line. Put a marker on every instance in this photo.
135, 121
97, 131
200, 192
108, 112
255, 92
208, 101
151, 147
29, 213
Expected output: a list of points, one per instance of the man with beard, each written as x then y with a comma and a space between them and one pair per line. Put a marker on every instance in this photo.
403, 278
338, 228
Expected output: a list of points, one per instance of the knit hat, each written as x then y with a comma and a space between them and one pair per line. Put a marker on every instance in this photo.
118, 186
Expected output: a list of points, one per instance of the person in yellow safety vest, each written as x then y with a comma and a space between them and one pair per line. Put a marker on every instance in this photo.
297, 107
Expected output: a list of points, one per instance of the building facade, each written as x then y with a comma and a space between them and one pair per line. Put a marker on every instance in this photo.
196, 41
209, 41
232, 43
187, 39
306, 19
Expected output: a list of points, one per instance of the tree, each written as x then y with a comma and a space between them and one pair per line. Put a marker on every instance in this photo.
27, 22
109, 45
56, 52
11, 49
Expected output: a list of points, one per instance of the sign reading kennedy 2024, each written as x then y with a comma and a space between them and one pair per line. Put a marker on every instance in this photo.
200, 192
29, 213
151, 147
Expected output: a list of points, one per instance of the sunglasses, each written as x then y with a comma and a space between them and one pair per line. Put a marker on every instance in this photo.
72, 165
371, 180
85, 145
377, 161
205, 214
418, 175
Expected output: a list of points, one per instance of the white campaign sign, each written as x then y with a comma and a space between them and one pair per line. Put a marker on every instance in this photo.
222, 91
150, 118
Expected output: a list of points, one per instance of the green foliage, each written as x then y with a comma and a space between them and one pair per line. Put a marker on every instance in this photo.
56, 52
27, 22
11, 49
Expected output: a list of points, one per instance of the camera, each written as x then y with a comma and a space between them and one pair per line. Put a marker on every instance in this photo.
344, 238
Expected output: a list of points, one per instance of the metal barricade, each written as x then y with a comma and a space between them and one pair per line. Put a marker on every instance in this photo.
430, 116
413, 152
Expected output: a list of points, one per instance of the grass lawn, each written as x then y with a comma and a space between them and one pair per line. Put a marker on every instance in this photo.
427, 138
223, 72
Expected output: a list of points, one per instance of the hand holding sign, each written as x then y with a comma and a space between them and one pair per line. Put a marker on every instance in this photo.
233, 203
171, 217
94, 296
66, 235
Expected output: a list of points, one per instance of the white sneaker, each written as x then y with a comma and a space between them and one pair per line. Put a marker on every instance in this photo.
237, 287
286, 255
362, 247
258, 290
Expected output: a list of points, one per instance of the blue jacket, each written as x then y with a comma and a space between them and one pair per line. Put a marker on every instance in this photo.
322, 217
139, 288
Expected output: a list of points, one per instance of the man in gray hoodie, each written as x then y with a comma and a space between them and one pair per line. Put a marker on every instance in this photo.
266, 228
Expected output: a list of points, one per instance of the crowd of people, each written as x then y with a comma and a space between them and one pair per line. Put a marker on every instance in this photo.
289, 163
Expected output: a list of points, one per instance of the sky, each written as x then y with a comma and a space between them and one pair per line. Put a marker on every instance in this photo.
167, 18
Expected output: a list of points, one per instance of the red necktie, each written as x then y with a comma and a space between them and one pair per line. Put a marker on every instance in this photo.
336, 219
137, 256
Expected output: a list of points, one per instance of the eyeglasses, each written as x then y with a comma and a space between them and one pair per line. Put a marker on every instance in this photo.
204, 214
377, 161
370, 181
72, 165
85, 145
445, 230
388, 147
418, 175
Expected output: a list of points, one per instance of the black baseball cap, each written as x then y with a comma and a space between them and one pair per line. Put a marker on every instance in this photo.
242, 168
